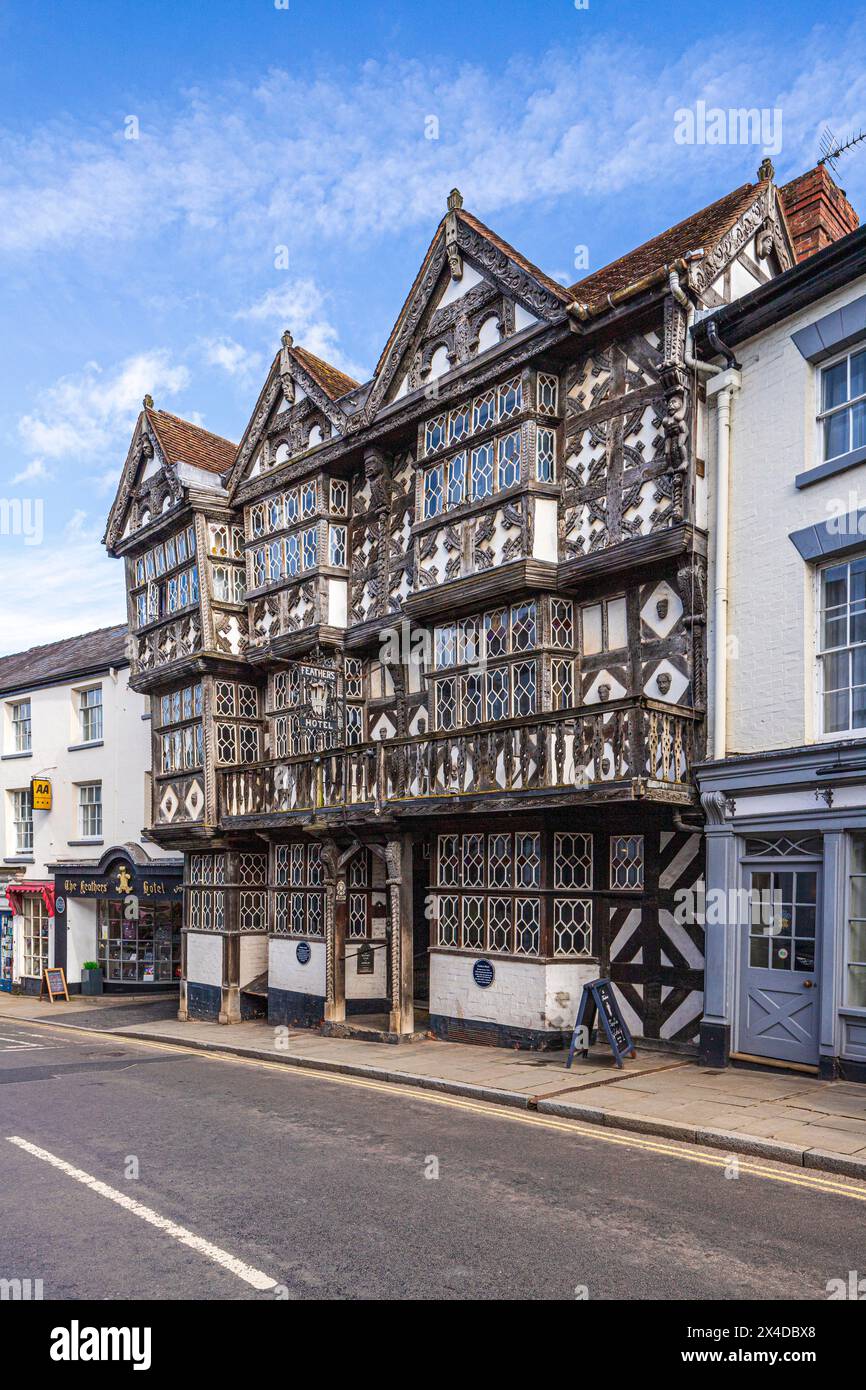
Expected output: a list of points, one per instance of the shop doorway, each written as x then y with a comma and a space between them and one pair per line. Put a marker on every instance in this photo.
779, 1011
6, 952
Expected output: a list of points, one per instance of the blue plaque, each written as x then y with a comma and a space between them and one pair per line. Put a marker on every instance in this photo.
60, 904
303, 952
483, 974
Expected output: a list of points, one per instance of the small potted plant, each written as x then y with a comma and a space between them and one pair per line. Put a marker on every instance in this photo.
91, 977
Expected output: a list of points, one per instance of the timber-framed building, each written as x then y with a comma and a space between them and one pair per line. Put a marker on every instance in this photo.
426, 654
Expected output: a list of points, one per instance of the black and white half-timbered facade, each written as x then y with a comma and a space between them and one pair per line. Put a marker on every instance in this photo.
426, 655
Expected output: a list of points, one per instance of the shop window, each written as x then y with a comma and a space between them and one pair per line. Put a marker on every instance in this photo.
855, 993
35, 934
143, 951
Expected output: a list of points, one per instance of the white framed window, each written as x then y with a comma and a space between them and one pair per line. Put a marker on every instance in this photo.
482, 472
842, 417
339, 496
22, 820
435, 434
90, 714
90, 811
19, 715
509, 460
842, 646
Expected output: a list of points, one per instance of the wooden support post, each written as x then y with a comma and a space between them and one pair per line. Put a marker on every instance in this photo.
398, 856
336, 915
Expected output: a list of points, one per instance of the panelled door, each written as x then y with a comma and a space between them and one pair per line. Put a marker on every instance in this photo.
779, 964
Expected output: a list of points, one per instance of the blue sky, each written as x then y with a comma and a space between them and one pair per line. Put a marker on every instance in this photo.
150, 264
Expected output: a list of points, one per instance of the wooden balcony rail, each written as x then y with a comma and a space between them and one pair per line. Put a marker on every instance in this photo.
642, 743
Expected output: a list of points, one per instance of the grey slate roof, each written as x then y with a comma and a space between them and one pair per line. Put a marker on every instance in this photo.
58, 661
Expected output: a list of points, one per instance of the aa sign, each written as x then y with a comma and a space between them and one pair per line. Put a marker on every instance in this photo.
40, 790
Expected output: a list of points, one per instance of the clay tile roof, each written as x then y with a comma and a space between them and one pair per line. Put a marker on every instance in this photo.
333, 382
556, 289
702, 231
91, 651
182, 442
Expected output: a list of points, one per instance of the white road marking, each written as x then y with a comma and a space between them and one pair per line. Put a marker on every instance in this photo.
16, 1044
153, 1218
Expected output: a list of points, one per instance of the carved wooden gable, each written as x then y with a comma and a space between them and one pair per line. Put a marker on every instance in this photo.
472, 290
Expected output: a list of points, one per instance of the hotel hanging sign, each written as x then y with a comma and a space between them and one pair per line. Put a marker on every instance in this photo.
40, 791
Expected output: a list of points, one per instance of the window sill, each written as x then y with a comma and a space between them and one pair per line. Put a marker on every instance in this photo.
20, 859
830, 468
7, 757
74, 843
94, 743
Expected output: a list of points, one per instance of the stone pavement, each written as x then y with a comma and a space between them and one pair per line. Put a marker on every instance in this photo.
773, 1114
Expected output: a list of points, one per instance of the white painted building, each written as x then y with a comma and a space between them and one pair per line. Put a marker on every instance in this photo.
71, 727
785, 792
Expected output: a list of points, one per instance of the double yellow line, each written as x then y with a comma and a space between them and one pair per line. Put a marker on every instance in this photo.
813, 1181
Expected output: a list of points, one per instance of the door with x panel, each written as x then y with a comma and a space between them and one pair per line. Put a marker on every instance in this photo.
779, 964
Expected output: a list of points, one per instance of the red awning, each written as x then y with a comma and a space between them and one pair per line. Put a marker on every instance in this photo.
15, 892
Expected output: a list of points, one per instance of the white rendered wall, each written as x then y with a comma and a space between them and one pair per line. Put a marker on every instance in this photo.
204, 958
524, 994
253, 957
81, 935
771, 600
286, 972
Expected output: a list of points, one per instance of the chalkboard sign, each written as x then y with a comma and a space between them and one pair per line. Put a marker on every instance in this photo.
599, 999
54, 981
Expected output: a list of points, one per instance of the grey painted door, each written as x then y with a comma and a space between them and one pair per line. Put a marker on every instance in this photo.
779, 963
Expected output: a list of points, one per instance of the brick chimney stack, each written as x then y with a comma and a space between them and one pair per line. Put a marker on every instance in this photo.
817, 210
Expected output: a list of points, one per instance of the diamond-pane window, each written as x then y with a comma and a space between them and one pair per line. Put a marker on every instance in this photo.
497, 694
572, 926
626, 861
527, 926
448, 912
524, 688
449, 861
445, 646
572, 861
510, 399
528, 859
484, 411
473, 924
500, 861
435, 434
496, 632
433, 491
548, 393
524, 627
499, 925
509, 460
473, 861
545, 456
562, 684
473, 699
562, 623
446, 704
482, 472
357, 914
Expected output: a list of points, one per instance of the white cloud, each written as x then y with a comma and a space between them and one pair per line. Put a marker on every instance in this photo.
343, 155
301, 306
232, 357
31, 472
85, 414
60, 588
